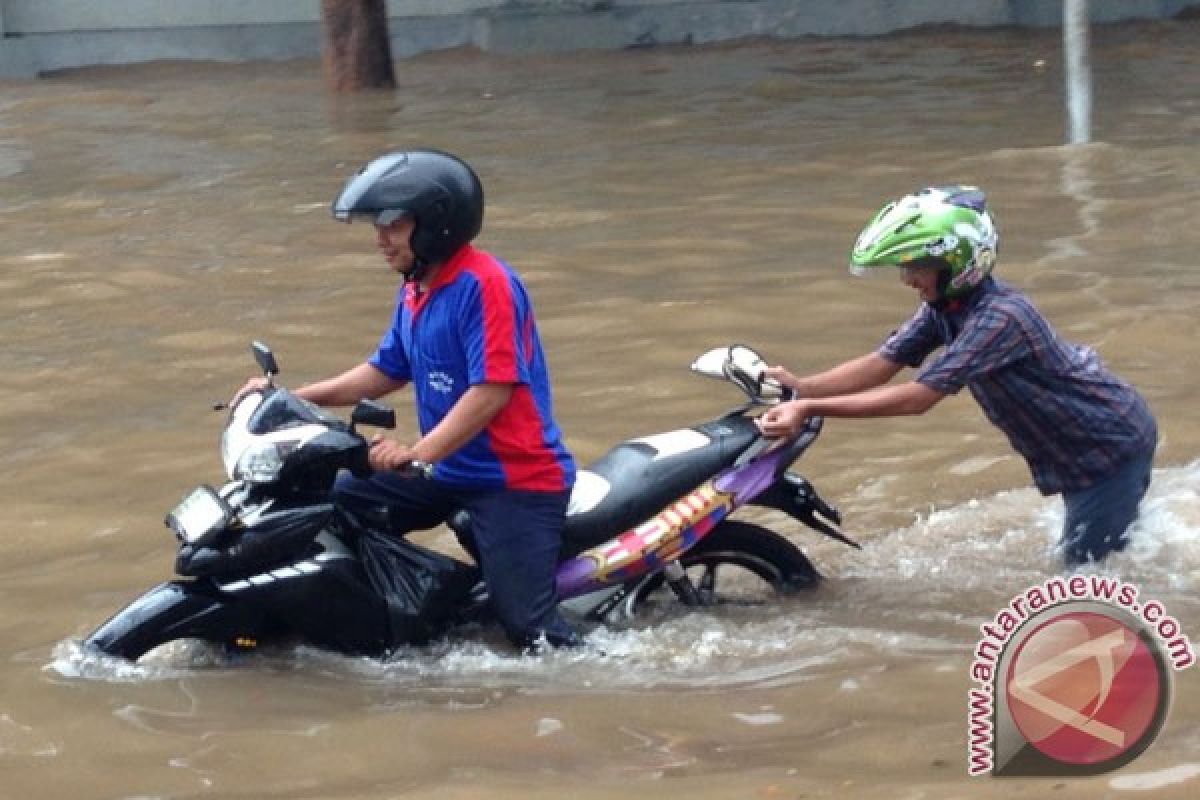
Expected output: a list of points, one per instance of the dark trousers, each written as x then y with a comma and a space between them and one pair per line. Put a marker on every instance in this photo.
1098, 517
517, 538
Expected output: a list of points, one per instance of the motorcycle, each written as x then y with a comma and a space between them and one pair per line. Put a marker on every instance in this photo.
269, 557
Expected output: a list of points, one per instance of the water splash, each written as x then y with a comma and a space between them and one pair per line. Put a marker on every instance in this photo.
917, 592
1001, 543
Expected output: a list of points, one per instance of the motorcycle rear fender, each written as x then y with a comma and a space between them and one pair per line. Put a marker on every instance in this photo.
795, 496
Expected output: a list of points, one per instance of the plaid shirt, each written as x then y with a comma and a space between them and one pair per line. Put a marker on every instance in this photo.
1072, 420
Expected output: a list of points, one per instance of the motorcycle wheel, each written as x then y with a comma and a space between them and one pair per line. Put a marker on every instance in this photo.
737, 564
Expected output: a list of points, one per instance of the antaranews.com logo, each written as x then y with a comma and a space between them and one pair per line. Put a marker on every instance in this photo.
1074, 678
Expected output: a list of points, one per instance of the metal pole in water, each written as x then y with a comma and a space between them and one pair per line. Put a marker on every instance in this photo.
1078, 69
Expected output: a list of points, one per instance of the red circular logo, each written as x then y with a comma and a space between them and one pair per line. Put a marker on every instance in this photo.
1085, 688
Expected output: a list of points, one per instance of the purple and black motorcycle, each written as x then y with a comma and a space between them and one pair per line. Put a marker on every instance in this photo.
269, 558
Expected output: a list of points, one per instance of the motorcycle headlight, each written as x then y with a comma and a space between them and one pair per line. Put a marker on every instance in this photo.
262, 461
259, 457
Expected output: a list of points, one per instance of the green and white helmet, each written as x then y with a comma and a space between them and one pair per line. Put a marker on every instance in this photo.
948, 225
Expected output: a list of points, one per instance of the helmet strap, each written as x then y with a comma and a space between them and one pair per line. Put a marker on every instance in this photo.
944, 303
417, 273
943, 282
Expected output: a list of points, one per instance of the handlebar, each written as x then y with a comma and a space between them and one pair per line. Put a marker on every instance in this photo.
418, 469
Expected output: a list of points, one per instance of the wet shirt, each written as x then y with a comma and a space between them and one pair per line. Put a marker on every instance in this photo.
475, 325
1073, 420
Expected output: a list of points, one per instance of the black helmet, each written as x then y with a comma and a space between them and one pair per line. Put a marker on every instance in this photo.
440, 191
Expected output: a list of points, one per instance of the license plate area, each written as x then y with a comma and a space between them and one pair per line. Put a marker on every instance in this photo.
200, 516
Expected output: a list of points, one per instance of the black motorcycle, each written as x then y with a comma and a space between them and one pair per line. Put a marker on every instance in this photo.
270, 558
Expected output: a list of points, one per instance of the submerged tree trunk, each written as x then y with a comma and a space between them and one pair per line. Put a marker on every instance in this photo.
356, 52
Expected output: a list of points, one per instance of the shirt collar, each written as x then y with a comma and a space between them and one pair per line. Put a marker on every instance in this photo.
453, 266
415, 295
960, 305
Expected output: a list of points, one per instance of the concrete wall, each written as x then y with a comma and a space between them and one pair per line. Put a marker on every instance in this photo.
46, 35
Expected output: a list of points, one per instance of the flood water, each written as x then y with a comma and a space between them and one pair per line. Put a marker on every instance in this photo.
658, 202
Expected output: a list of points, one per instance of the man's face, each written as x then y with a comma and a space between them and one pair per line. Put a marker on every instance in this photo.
924, 280
394, 242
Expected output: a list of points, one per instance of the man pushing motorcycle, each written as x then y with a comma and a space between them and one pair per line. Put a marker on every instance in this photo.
463, 333
1084, 432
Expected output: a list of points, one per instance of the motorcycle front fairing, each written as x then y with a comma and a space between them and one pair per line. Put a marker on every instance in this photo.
266, 556
270, 533
280, 409
282, 454
322, 598
286, 444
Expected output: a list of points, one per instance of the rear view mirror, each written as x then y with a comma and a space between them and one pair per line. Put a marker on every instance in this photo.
712, 363
744, 368
265, 358
377, 415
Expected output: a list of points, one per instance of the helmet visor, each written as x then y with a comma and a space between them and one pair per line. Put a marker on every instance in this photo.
379, 218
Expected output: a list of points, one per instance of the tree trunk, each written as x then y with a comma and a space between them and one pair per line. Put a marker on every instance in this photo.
356, 52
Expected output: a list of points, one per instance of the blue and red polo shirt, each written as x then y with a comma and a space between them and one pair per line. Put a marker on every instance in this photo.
475, 325
1073, 420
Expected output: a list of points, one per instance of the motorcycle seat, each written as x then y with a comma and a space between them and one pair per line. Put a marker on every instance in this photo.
638, 478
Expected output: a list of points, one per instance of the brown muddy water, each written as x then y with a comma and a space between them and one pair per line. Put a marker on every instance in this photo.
658, 202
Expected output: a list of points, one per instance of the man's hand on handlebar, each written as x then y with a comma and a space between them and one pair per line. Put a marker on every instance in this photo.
783, 377
390, 455
256, 384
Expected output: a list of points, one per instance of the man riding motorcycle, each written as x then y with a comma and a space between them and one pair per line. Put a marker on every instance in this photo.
463, 333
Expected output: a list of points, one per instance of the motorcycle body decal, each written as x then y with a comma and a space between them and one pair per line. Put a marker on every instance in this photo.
751, 479
649, 546
297, 570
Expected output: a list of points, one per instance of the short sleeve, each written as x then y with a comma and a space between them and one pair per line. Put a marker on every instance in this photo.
390, 357
913, 341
